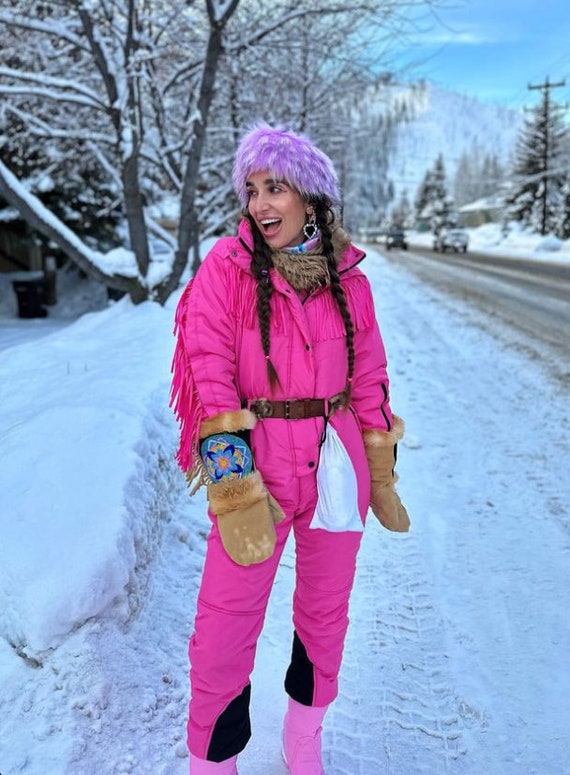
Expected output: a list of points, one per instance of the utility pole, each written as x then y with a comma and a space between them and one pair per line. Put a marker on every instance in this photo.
546, 88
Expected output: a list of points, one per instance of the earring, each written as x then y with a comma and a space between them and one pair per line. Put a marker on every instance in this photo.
310, 228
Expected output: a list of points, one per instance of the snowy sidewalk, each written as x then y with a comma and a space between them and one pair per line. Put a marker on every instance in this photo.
456, 658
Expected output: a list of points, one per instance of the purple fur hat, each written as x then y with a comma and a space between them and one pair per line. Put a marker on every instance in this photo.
288, 156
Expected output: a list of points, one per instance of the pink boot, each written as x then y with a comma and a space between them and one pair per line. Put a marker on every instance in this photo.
302, 739
204, 767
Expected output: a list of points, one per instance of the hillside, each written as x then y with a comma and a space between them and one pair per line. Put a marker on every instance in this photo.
439, 121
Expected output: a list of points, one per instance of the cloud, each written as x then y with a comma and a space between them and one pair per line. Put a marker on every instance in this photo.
457, 38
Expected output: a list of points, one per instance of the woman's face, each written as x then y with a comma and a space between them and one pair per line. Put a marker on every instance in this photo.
277, 209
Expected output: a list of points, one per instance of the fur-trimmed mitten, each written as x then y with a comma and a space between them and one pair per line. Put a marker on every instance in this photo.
245, 510
385, 502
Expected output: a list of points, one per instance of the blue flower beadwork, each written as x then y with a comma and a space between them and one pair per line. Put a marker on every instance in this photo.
226, 456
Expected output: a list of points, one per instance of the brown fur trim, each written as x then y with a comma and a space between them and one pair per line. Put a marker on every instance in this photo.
303, 271
374, 438
307, 271
228, 422
233, 494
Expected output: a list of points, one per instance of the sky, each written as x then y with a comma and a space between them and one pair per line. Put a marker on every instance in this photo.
456, 658
493, 49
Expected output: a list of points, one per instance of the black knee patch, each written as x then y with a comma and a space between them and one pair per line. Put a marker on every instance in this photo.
300, 679
232, 729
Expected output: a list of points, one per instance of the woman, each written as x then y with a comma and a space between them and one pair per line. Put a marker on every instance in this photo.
279, 366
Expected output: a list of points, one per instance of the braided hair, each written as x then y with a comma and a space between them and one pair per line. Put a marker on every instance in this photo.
261, 263
325, 219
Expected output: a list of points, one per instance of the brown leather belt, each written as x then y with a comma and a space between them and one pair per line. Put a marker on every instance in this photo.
294, 409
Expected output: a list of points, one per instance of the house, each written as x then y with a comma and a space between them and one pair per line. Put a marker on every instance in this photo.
489, 209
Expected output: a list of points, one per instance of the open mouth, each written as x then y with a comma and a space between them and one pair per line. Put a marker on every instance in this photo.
270, 226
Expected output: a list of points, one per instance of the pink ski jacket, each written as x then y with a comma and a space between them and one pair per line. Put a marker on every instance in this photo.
219, 362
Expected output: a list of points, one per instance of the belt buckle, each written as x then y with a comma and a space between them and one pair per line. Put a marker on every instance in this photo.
263, 408
287, 407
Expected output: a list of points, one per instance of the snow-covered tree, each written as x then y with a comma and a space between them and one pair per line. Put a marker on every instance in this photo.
402, 211
329, 87
433, 203
364, 168
67, 180
424, 195
493, 175
478, 175
540, 169
112, 81
134, 100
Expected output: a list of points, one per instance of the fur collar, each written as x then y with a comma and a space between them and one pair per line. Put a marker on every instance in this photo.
307, 271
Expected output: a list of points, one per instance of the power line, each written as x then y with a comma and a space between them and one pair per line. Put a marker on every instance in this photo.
546, 86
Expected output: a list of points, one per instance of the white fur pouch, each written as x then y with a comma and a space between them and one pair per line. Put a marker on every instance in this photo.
337, 504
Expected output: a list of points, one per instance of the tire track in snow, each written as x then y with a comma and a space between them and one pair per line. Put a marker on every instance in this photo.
490, 515
396, 706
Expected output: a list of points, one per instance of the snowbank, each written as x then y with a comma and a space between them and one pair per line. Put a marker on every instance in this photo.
517, 243
72, 410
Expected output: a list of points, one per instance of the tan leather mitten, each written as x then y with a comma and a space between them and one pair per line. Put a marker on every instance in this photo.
246, 515
246, 512
381, 454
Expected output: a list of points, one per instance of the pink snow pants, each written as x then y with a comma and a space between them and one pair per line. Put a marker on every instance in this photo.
231, 608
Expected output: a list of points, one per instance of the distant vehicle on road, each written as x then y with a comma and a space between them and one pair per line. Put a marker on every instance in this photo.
370, 234
451, 239
396, 238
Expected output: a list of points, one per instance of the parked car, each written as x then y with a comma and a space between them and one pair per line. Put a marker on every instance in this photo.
451, 239
396, 238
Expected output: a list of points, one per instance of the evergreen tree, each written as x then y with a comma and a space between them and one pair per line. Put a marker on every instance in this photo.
464, 185
538, 173
402, 211
477, 176
492, 176
424, 195
433, 201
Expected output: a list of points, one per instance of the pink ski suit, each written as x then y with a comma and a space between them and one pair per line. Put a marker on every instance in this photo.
219, 366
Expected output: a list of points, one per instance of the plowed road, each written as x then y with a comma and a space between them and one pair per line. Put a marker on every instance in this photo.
531, 296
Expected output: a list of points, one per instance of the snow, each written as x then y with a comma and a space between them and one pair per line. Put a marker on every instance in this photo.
118, 261
486, 202
448, 123
114, 262
8, 214
517, 243
456, 657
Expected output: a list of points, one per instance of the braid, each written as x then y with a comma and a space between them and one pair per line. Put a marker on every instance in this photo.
261, 263
324, 218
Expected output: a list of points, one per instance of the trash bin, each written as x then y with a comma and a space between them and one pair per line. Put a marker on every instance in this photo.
30, 289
